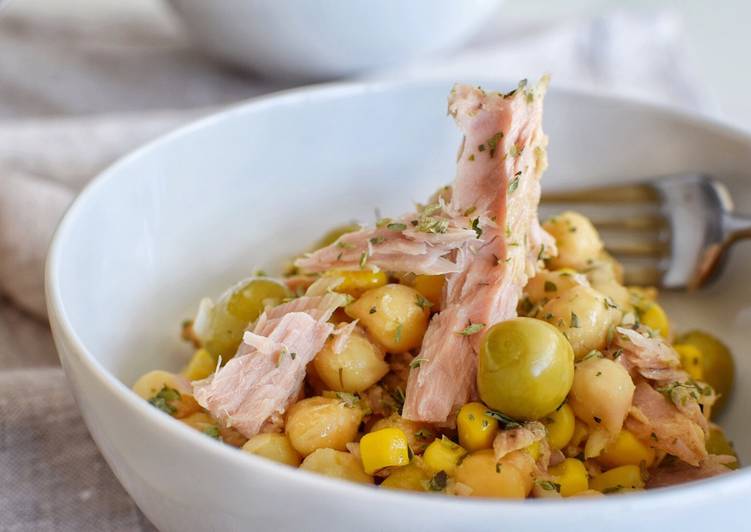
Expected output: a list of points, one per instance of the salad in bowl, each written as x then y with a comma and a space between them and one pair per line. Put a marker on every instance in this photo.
463, 348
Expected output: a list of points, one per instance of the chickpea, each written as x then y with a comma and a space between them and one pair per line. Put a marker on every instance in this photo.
168, 392
394, 315
605, 275
336, 464
487, 477
524, 462
357, 367
419, 435
584, 316
273, 446
322, 422
601, 394
547, 284
577, 240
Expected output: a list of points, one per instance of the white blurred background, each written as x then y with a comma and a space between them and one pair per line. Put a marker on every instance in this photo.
713, 36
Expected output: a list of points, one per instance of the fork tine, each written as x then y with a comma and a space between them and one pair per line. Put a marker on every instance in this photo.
638, 249
614, 194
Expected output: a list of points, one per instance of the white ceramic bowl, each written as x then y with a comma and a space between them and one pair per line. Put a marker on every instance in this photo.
305, 39
193, 212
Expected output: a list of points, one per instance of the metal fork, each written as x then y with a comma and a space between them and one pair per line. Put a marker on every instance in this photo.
672, 232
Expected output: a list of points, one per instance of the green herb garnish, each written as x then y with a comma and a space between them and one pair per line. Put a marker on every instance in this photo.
164, 398
438, 482
472, 328
213, 432
492, 143
513, 185
350, 400
416, 362
476, 226
549, 485
422, 302
508, 422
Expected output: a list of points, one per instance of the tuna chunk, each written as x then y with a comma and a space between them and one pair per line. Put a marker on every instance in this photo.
654, 419
420, 242
267, 373
498, 182
655, 360
510, 440
651, 358
680, 472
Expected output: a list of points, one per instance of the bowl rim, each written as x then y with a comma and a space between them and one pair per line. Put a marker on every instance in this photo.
693, 492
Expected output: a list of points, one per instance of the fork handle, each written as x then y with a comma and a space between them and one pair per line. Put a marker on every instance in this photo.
736, 227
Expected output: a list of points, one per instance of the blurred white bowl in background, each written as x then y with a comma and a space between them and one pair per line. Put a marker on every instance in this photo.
305, 39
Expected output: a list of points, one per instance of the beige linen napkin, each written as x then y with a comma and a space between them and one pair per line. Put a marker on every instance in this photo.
77, 92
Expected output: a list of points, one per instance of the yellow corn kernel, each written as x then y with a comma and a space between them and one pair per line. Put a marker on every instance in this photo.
655, 318
411, 477
571, 475
476, 428
581, 431
443, 455
201, 365
627, 477
560, 427
626, 449
534, 451
691, 360
384, 448
356, 283
431, 286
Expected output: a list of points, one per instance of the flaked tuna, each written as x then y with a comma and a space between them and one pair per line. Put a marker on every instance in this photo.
497, 182
655, 419
421, 242
266, 375
653, 359
514, 439
680, 472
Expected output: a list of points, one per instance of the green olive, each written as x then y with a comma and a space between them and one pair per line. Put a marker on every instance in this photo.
236, 309
717, 367
526, 368
717, 443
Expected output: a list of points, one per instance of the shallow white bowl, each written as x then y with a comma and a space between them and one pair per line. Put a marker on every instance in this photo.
193, 212
304, 39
